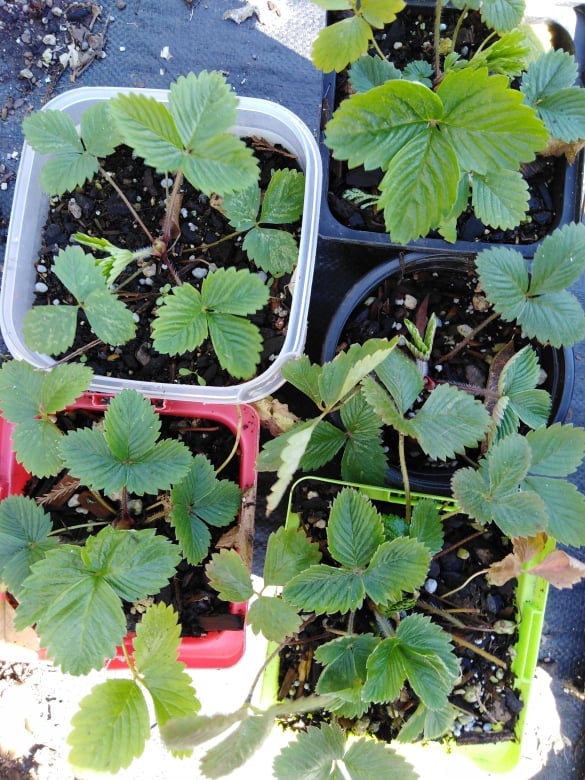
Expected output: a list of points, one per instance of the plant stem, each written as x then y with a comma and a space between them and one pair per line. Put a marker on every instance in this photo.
457, 29
80, 351
110, 179
467, 581
437, 39
383, 624
405, 480
58, 531
458, 347
377, 49
236, 442
478, 650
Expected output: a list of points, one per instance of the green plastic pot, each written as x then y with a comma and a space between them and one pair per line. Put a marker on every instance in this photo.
531, 596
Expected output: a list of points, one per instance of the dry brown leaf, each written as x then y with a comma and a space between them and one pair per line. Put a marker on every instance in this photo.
556, 148
560, 569
526, 548
10, 639
500, 572
274, 416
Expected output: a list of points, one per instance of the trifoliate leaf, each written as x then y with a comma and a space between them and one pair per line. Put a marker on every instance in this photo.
492, 493
27, 392
110, 728
125, 454
421, 652
229, 576
28, 397
288, 552
77, 613
135, 563
24, 539
199, 500
319, 752
274, 618
344, 673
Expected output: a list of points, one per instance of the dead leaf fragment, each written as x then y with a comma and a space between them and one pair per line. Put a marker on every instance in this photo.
10, 639
560, 569
500, 572
239, 15
556, 148
275, 416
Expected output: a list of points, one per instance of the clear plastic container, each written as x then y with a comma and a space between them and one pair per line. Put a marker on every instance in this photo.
256, 117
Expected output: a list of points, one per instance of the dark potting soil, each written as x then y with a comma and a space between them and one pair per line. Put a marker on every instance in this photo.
410, 38
485, 696
456, 298
96, 209
70, 504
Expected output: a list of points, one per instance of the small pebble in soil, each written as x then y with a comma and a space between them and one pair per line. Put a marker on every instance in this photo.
431, 585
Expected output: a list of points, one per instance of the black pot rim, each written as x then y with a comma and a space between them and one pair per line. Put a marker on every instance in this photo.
562, 369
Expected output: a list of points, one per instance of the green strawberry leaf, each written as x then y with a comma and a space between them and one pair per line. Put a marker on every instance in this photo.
24, 539
229, 576
110, 728
200, 500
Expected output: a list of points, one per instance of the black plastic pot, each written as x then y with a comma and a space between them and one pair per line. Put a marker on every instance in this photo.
566, 192
559, 364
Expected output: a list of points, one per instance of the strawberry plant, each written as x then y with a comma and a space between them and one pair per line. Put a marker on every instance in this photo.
76, 592
459, 127
189, 139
